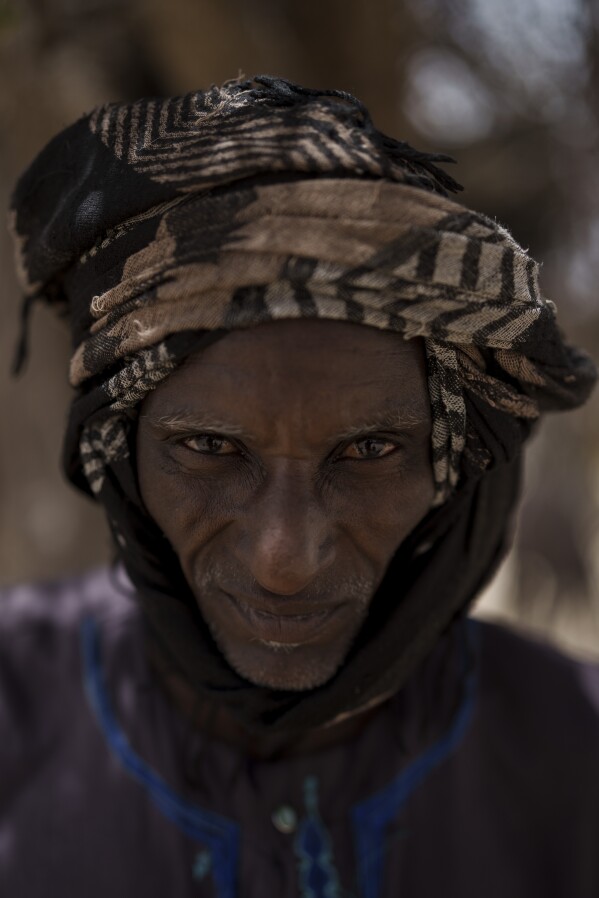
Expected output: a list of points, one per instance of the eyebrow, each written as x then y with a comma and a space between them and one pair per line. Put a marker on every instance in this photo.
184, 421
394, 419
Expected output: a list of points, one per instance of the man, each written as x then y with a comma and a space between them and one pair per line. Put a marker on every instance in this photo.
303, 379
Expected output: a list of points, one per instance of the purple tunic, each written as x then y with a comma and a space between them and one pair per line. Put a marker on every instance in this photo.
106, 791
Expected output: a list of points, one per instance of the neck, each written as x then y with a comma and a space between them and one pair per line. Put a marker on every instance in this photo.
216, 722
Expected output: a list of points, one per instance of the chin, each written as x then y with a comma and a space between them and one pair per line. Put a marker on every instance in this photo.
284, 667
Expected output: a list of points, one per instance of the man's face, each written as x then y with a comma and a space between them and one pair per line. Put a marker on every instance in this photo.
285, 464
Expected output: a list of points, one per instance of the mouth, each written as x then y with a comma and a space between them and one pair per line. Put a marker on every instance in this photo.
292, 626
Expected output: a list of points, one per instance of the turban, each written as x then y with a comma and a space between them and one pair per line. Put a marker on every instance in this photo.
158, 226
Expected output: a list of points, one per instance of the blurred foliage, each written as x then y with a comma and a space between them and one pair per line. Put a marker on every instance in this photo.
511, 87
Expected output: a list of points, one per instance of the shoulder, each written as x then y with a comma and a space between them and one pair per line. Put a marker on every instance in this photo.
40, 655
40, 623
45, 617
62, 602
544, 701
532, 666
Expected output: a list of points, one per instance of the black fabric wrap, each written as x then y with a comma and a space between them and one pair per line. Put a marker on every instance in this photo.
107, 222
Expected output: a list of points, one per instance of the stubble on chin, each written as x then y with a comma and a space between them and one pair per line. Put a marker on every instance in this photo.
287, 667
275, 665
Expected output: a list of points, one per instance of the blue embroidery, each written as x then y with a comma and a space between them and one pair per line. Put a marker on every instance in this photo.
372, 817
318, 877
220, 835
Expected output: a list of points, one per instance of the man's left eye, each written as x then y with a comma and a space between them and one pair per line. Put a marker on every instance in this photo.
370, 447
209, 444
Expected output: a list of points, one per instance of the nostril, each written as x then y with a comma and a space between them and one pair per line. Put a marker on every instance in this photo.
284, 574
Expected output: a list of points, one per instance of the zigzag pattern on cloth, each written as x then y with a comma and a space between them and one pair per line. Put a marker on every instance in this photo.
246, 127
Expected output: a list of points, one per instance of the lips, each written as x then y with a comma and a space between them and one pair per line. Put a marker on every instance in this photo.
292, 624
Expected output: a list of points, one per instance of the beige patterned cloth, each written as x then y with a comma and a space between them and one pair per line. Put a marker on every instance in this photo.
386, 255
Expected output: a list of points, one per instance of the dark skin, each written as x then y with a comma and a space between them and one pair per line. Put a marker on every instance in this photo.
285, 464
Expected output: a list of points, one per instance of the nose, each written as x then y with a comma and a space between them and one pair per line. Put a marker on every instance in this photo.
287, 538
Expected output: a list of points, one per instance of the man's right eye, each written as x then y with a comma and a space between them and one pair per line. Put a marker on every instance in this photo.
209, 444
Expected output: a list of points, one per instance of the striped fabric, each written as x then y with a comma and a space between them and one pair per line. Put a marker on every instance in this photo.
386, 255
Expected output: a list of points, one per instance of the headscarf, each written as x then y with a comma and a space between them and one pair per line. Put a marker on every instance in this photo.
158, 226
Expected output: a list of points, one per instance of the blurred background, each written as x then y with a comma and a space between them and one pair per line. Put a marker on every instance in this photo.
510, 87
